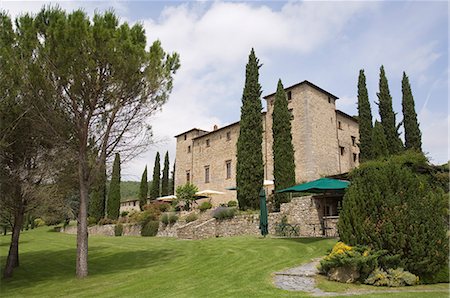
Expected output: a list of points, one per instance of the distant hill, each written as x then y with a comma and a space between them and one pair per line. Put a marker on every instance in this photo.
128, 189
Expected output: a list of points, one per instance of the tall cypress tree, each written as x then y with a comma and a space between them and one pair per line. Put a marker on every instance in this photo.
165, 176
250, 170
283, 150
172, 181
379, 143
413, 137
387, 115
364, 119
155, 188
97, 198
113, 205
143, 189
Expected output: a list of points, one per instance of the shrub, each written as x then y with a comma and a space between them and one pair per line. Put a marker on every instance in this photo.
442, 276
164, 207
224, 213
118, 230
92, 221
38, 222
106, 221
169, 218
204, 206
151, 213
232, 204
392, 278
191, 217
185, 193
361, 258
124, 213
150, 228
391, 206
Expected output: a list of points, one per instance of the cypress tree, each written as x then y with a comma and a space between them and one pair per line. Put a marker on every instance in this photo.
413, 137
97, 200
283, 150
165, 176
387, 115
379, 143
250, 170
364, 119
143, 189
113, 205
155, 187
172, 181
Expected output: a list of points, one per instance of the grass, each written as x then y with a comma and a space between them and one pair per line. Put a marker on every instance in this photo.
159, 267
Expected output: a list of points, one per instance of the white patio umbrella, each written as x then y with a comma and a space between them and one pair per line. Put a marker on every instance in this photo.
208, 192
167, 198
268, 182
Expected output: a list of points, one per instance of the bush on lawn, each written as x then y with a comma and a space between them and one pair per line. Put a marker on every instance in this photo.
204, 206
38, 222
118, 229
150, 228
224, 213
392, 278
391, 206
191, 217
361, 259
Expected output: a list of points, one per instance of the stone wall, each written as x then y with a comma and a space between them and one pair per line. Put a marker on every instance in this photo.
107, 230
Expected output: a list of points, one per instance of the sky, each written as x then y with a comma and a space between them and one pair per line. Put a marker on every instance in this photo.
326, 43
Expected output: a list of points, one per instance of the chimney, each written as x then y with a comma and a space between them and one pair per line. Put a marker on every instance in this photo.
215, 127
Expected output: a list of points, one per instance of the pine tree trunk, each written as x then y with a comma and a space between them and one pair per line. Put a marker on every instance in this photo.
13, 256
82, 229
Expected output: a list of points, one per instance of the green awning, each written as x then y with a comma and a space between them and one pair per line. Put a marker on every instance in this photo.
319, 186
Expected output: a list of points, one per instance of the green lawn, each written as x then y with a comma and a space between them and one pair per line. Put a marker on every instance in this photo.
160, 267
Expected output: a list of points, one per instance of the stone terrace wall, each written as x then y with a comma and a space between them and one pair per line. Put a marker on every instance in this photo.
107, 230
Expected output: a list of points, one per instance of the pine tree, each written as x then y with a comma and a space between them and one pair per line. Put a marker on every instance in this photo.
113, 205
413, 137
387, 115
165, 176
250, 170
143, 189
97, 201
283, 150
364, 119
379, 143
155, 188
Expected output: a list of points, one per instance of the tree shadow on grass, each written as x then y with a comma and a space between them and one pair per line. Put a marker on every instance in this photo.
59, 265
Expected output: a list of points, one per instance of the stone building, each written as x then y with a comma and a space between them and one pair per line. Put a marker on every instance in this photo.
325, 143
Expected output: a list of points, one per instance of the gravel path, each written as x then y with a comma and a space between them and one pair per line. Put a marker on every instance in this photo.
300, 279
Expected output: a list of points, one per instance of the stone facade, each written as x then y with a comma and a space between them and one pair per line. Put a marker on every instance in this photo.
324, 139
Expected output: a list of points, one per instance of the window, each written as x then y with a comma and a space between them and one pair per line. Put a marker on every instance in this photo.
228, 167
339, 125
289, 95
185, 137
342, 149
189, 149
228, 136
353, 141
188, 176
291, 111
355, 157
134, 203
329, 99
207, 143
206, 174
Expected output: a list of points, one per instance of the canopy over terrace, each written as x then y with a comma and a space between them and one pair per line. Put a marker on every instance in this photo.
322, 185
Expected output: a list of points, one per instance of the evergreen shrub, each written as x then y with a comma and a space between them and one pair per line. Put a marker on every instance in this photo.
118, 230
164, 207
232, 204
204, 206
106, 221
169, 218
150, 228
391, 206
